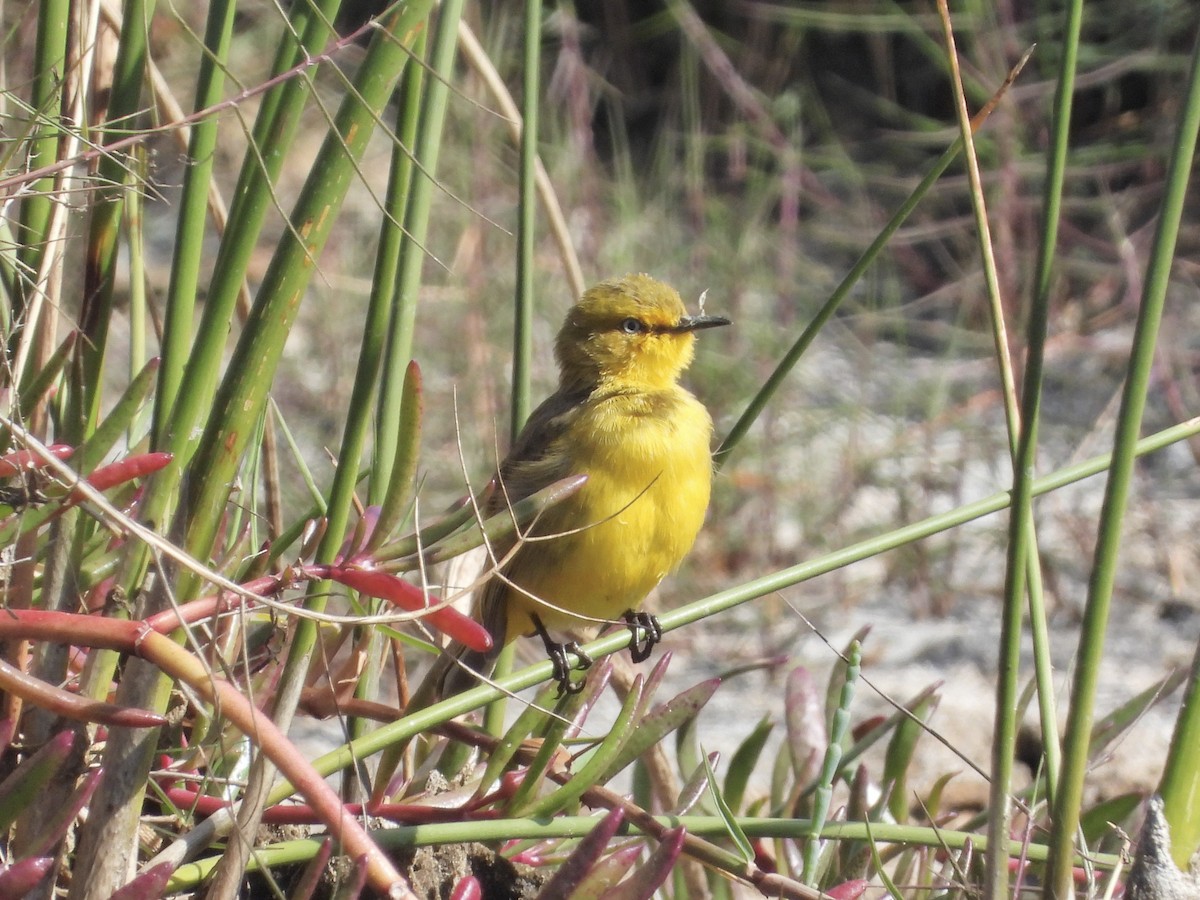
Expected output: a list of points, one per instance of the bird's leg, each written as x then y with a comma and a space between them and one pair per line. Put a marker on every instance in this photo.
558, 656
644, 633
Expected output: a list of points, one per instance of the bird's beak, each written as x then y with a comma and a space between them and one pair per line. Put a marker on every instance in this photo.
696, 323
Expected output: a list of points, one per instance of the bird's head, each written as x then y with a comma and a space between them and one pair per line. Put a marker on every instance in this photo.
632, 330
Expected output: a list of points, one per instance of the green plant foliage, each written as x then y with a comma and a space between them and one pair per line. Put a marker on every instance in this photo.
239, 227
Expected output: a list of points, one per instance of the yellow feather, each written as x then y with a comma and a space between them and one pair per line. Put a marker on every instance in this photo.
603, 550
621, 418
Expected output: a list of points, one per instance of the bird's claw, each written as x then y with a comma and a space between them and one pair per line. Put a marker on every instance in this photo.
644, 632
562, 665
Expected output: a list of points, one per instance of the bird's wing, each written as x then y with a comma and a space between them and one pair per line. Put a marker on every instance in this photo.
537, 459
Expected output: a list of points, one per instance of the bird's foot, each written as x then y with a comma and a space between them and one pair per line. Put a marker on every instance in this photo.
557, 651
562, 666
644, 632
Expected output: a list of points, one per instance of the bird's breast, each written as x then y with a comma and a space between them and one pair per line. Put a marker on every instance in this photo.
649, 471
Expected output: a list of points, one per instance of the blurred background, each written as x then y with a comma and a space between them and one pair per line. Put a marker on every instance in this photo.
753, 150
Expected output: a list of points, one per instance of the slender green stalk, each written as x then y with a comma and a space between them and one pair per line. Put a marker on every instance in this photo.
49, 64
135, 231
1023, 563
839, 728
180, 302
523, 299
371, 359
785, 366
176, 427
760, 400
1021, 542
96, 315
391, 249
1108, 544
355, 431
370, 354
526, 220
400, 499
286, 852
420, 128
1180, 784
240, 399
400, 305
425, 153
427, 718
494, 715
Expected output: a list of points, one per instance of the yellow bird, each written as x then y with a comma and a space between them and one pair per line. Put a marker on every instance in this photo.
621, 418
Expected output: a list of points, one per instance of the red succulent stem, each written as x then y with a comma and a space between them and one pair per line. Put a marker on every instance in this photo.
235, 706
397, 591
27, 460
124, 470
140, 639
72, 706
303, 814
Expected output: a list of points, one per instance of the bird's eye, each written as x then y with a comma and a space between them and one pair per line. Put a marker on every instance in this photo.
632, 326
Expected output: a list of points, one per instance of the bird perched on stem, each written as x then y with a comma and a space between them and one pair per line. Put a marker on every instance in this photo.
621, 418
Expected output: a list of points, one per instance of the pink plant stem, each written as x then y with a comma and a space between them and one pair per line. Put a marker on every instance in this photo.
303, 814
140, 639
69, 628
12, 463
206, 607
356, 843
72, 706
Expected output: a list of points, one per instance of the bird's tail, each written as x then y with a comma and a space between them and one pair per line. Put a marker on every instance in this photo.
457, 669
